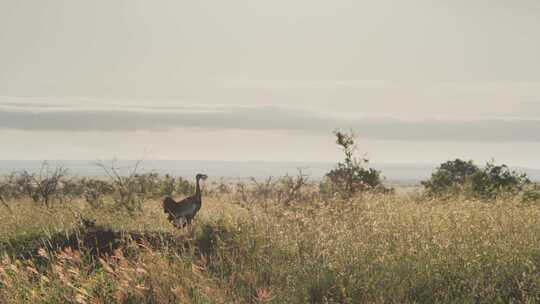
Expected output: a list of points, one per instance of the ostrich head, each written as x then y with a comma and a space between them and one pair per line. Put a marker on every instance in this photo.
201, 176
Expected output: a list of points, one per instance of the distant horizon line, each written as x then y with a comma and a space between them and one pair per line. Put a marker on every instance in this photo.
252, 161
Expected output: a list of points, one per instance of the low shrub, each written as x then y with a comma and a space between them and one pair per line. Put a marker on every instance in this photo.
351, 175
459, 177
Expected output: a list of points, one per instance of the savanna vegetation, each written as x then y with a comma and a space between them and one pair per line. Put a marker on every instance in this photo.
472, 235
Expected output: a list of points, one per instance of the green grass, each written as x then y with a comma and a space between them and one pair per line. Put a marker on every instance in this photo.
372, 249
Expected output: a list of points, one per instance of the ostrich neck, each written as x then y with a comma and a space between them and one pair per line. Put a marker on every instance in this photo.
198, 191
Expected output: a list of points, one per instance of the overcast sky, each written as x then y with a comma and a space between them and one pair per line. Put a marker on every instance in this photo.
419, 81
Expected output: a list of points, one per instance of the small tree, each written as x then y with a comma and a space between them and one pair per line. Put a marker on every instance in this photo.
460, 177
289, 188
71, 188
167, 185
127, 188
148, 184
95, 191
48, 182
351, 176
25, 184
43, 186
496, 180
8, 190
184, 187
450, 177
531, 193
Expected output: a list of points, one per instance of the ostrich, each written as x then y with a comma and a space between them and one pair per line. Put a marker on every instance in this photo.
181, 213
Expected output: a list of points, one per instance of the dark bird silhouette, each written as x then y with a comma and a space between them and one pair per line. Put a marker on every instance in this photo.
182, 213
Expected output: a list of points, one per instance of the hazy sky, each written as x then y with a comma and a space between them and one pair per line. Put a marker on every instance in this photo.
420, 81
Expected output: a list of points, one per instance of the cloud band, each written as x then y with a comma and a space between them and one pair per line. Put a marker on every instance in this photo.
274, 118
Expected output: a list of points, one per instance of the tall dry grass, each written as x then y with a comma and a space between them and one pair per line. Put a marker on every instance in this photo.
370, 249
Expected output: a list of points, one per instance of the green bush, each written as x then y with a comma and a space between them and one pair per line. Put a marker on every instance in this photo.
147, 185
459, 177
531, 194
450, 177
167, 185
8, 190
184, 187
42, 187
128, 190
95, 191
351, 176
494, 181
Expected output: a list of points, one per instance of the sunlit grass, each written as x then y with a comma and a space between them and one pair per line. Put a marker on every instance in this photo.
373, 248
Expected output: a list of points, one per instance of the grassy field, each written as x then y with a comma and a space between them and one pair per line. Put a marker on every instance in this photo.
397, 248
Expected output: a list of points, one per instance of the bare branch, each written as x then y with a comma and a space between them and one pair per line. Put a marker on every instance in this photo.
5, 204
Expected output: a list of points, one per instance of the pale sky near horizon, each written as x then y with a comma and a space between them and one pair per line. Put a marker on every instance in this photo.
419, 81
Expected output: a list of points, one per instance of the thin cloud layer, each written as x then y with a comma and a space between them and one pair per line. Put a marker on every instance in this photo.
272, 118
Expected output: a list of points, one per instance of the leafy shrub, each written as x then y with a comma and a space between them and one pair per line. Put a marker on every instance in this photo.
351, 176
71, 188
222, 187
48, 182
25, 184
282, 191
42, 187
128, 192
450, 177
464, 177
95, 191
148, 184
167, 185
132, 189
8, 190
494, 181
290, 188
531, 193
184, 187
